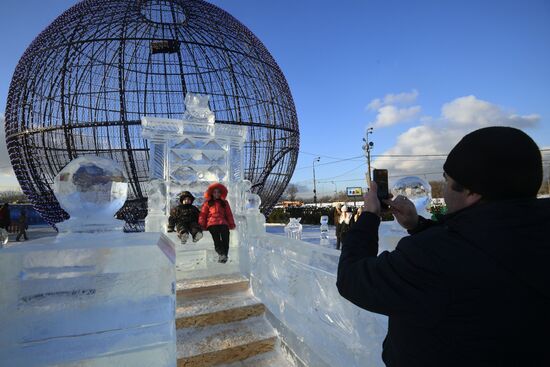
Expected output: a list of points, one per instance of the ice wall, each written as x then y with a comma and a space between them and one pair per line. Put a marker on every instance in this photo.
296, 280
103, 299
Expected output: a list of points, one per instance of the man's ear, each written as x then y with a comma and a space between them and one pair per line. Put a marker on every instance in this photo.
473, 198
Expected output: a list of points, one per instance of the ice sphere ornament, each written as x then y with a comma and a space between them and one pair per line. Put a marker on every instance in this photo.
253, 203
294, 229
416, 190
91, 190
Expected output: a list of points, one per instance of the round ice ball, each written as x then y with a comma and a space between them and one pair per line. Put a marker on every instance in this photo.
91, 188
415, 189
253, 202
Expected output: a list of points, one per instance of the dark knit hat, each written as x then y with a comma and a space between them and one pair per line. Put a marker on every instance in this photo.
497, 162
186, 194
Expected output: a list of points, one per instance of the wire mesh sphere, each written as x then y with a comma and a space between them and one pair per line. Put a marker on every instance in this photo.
84, 83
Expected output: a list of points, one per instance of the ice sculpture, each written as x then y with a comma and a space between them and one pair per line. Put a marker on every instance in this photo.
91, 296
296, 281
255, 219
188, 155
294, 229
324, 231
4, 237
91, 189
417, 190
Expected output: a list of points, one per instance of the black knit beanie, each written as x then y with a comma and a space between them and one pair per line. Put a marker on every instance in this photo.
497, 163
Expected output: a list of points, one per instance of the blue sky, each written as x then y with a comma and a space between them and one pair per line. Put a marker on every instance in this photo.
438, 69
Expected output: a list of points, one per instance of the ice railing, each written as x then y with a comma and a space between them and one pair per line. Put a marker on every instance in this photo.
296, 280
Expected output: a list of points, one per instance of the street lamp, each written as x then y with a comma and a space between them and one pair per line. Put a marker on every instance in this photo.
314, 182
335, 188
367, 147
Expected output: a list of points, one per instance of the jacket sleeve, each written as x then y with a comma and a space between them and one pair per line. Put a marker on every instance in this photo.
404, 282
172, 220
196, 214
422, 225
203, 216
229, 216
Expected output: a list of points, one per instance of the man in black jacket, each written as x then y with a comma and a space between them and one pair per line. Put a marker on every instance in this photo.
474, 288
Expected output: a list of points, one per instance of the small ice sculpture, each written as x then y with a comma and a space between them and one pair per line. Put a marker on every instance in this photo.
4, 237
324, 230
91, 190
253, 203
196, 107
417, 190
294, 229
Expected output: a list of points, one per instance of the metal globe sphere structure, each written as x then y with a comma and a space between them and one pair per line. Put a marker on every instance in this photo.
84, 83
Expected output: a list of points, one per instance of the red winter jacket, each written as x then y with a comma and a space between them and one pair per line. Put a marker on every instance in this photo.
216, 213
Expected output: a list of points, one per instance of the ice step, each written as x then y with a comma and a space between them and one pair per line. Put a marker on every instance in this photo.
224, 343
211, 286
275, 358
216, 309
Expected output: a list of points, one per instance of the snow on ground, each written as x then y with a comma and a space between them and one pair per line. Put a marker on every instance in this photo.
310, 233
390, 233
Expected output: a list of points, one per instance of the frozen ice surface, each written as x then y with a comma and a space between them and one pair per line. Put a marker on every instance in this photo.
101, 300
91, 190
296, 280
311, 234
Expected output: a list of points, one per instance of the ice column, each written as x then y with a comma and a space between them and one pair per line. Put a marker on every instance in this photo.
324, 231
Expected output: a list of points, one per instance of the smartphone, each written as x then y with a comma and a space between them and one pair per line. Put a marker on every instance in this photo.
380, 176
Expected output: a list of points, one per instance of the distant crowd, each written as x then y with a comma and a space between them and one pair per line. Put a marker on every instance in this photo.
19, 226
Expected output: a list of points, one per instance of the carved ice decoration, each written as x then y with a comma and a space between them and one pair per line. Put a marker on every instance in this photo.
91, 190
294, 229
190, 154
324, 231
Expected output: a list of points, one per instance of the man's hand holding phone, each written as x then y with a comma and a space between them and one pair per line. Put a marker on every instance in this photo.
372, 204
404, 212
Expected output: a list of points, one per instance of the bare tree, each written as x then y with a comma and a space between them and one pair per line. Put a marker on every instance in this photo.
437, 188
13, 196
291, 191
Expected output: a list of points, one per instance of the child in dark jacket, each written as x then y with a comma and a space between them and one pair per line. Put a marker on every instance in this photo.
216, 216
184, 219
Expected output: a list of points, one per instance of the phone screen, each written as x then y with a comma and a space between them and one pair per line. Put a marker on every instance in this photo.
380, 176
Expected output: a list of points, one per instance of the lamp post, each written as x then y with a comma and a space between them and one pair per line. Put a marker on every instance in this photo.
335, 188
367, 147
315, 182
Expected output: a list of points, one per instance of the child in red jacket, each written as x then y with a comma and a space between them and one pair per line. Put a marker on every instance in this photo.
217, 218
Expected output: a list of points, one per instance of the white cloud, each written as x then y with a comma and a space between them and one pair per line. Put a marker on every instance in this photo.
439, 135
473, 112
391, 109
391, 115
393, 99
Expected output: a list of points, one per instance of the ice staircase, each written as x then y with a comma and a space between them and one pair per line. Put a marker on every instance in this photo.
220, 323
